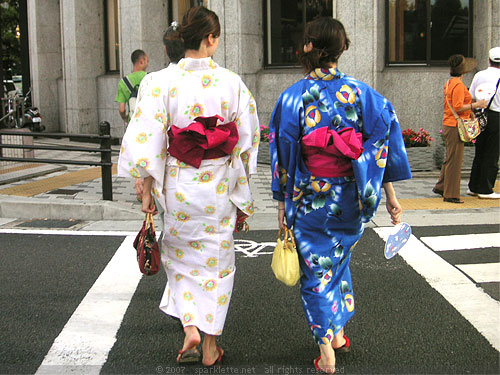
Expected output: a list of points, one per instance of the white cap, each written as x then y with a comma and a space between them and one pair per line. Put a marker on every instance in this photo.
495, 54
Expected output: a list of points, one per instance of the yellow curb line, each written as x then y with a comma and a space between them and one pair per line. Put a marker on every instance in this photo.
20, 168
31, 189
439, 204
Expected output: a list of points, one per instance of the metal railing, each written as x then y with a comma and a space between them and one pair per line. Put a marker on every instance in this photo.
105, 150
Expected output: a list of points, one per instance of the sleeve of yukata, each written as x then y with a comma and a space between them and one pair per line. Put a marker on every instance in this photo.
144, 145
248, 129
284, 136
381, 138
397, 167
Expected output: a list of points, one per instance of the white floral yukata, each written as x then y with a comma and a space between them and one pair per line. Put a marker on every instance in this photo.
200, 203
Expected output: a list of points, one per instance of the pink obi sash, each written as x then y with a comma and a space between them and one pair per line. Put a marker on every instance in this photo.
202, 139
328, 153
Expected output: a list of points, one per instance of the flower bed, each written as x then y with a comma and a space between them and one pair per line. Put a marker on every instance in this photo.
420, 138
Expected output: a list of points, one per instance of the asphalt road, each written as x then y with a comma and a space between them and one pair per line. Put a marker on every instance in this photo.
402, 324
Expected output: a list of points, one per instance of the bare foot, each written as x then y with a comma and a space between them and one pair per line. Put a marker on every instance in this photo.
191, 340
339, 340
210, 357
338, 343
327, 360
325, 367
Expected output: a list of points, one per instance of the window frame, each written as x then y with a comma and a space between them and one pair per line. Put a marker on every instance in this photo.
428, 62
107, 60
267, 36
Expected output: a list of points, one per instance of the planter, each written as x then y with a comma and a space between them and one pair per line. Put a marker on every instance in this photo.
440, 154
421, 159
264, 154
424, 159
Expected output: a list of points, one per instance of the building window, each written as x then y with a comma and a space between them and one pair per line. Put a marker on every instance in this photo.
286, 20
427, 32
112, 36
179, 7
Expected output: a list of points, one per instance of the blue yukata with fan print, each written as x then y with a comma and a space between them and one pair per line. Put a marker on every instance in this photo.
334, 141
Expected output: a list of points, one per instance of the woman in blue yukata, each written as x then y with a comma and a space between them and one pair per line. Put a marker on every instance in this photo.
335, 142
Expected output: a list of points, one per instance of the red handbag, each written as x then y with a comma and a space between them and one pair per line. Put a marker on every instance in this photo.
148, 250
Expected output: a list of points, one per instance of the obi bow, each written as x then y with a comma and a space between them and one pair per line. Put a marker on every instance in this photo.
328, 153
202, 139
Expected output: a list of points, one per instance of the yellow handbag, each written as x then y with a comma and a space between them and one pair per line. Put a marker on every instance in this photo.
285, 263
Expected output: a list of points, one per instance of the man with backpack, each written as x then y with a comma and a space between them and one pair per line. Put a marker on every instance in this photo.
129, 85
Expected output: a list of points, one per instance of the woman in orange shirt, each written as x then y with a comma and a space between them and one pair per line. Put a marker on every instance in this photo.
460, 99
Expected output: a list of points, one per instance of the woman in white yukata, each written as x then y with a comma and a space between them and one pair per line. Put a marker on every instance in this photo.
194, 139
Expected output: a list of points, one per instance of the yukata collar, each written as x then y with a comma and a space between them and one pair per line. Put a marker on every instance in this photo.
191, 64
324, 74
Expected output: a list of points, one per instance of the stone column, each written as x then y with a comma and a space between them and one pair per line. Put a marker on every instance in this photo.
83, 61
360, 22
45, 58
142, 25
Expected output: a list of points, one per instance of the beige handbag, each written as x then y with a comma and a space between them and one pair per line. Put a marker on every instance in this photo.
285, 263
467, 129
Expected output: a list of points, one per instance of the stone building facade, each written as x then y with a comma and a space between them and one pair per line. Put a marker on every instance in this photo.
75, 89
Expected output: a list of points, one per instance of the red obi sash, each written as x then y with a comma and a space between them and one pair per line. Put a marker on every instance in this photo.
328, 153
202, 139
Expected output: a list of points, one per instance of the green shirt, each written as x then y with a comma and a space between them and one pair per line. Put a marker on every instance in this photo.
123, 94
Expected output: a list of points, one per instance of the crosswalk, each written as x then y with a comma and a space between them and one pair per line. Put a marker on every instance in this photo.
458, 282
103, 327
479, 273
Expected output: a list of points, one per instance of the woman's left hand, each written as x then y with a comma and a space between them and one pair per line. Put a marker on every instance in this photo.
394, 209
392, 203
281, 215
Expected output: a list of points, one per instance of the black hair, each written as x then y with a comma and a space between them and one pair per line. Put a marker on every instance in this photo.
175, 47
137, 55
329, 40
454, 62
197, 24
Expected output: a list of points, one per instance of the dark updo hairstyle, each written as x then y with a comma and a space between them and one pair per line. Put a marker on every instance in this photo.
460, 65
329, 41
173, 43
197, 24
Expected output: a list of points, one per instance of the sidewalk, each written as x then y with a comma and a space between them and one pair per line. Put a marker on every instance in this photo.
75, 192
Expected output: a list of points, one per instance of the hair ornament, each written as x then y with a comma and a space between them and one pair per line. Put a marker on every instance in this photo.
174, 25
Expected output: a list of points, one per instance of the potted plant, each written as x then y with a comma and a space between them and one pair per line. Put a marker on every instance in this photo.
417, 145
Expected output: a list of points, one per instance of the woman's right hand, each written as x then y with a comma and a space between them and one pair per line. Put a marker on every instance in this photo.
148, 205
482, 103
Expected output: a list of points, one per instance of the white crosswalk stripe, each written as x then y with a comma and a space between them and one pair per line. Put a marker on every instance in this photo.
482, 311
483, 272
462, 241
86, 339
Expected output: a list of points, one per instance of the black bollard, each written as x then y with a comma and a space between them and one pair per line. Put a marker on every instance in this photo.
107, 165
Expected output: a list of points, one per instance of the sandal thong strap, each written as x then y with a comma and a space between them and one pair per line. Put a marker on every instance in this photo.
189, 356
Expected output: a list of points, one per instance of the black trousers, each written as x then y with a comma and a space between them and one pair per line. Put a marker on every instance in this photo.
485, 165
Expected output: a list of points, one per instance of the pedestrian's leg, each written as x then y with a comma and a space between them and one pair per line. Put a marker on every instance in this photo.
339, 340
211, 354
327, 361
454, 156
439, 187
492, 151
191, 340
477, 163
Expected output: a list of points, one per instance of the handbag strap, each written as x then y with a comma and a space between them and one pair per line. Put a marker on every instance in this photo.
149, 220
491, 100
288, 236
446, 97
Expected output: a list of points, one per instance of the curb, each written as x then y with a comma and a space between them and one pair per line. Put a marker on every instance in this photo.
30, 208
24, 174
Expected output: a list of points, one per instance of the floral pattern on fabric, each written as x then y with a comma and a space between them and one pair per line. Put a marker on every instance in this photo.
327, 213
200, 203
